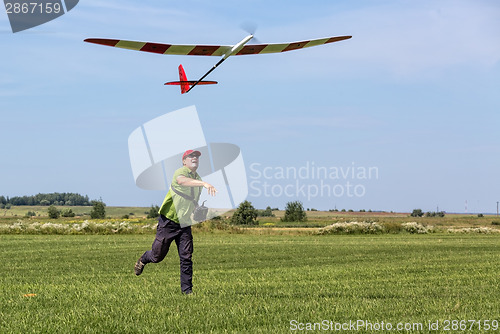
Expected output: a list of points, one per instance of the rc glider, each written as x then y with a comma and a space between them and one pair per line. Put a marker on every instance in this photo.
223, 51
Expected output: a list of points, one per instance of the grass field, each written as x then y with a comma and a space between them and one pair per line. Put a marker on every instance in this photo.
247, 283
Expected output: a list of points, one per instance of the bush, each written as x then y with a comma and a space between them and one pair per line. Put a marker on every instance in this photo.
352, 228
30, 214
245, 214
67, 213
416, 228
153, 212
268, 212
485, 230
294, 212
98, 210
392, 227
86, 227
435, 214
417, 213
480, 215
53, 212
214, 225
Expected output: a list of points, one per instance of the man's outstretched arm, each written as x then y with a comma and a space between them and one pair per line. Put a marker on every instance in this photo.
189, 182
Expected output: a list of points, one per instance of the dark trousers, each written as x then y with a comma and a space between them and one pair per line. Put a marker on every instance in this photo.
166, 232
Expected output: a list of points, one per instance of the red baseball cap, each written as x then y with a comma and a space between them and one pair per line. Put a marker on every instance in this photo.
188, 152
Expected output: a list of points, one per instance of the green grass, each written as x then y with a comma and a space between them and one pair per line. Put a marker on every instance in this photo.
245, 283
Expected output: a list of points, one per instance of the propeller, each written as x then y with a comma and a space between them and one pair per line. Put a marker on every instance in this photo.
250, 28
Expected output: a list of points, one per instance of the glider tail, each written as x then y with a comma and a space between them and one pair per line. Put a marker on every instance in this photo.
186, 84
183, 79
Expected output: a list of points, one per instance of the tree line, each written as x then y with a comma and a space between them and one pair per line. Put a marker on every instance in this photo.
246, 214
68, 199
98, 211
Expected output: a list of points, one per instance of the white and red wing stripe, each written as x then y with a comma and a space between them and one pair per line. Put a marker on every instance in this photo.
211, 50
276, 48
170, 49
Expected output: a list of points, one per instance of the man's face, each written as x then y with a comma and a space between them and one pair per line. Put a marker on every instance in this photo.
191, 161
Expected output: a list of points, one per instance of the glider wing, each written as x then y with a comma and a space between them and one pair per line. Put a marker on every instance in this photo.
212, 50
167, 49
277, 48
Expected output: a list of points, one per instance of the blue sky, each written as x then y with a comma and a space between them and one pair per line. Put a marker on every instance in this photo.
414, 94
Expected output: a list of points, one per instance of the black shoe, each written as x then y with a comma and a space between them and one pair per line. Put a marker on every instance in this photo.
139, 267
187, 292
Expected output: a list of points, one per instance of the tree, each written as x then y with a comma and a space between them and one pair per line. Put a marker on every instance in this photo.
435, 214
153, 212
47, 199
53, 212
268, 212
98, 210
30, 214
417, 213
67, 213
245, 214
294, 212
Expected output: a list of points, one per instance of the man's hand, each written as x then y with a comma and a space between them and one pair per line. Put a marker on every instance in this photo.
210, 188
